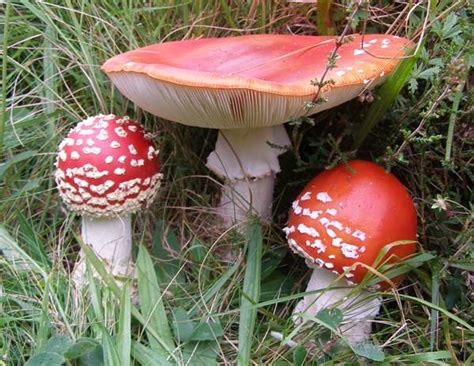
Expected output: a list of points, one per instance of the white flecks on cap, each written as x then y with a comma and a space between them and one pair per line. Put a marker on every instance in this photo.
132, 128
349, 250
340, 73
90, 142
289, 229
362, 249
85, 132
359, 235
81, 182
329, 265
324, 221
109, 117
132, 149
332, 256
366, 81
335, 224
122, 159
103, 135
331, 211
312, 214
120, 132
331, 233
114, 144
119, 171
311, 231
296, 207
62, 155
79, 142
91, 150
347, 230
350, 68
136, 163
317, 243
360, 71
109, 159
102, 188
382, 73
151, 153
101, 124
75, 155
306, 196
323, 197
336, 242
373, 41
358, 52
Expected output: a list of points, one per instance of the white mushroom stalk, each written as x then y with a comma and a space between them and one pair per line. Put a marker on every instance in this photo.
107, 169
247, 160
359, 311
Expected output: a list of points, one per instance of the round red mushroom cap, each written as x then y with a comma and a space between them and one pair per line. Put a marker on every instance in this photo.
107, 166
346, 215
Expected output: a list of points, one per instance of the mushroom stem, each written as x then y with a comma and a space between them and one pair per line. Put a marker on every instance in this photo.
247, 160
111, 240
359, 310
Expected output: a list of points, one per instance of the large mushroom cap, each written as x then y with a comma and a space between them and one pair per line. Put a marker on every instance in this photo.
107, 166
249, 81
348, 214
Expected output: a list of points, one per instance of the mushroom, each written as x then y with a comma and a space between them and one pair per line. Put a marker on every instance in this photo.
247, 87
340, 223
107, 169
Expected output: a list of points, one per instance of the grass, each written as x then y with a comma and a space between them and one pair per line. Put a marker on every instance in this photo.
188, 305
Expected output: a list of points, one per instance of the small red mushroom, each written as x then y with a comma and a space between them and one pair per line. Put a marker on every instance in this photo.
107, 169
346, 216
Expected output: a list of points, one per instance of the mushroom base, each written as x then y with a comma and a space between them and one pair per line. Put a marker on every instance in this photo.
359, 310
111, 241
247, 160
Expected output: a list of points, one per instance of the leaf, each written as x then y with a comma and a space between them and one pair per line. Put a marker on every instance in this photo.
58, 344
11, 251
183, 326
207, 331
200, 354
147, 356
299, 356
124, 334
368, 350
94, 357
250, 292
81, 348
151, 302
46, 359
34, 247
331, 317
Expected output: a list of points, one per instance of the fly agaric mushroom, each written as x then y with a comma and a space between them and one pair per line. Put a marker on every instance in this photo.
343, 217
247, 87
107, 169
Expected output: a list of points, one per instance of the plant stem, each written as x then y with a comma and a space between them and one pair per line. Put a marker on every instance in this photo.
3, 99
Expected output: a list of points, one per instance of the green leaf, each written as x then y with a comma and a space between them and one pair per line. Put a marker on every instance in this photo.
183, 326
80, 348
147, 356
58, 344
124, 340
331, 317
299, 356
207, 331
152, 306
200, 354
111, 353
368, 350
46, 359
94, 357
250, 292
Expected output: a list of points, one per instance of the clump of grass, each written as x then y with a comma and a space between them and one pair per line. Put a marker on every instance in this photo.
189, 306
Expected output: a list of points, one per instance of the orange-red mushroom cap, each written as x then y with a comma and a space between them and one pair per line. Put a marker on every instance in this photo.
250, 81
348, 214
107, 166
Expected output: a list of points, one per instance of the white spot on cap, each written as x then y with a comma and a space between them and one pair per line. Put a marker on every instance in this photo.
317, 244
133, 128
384, 46
122, 159
332, 256
359, 235
151, 152
296, 207
62, 155
382, 73
312, 214
329, 265
373, 41
103, 135
366, 81
86, 132
336, 242
362, 249
75, 155
340, 73
311, 231
132, 149
287, 230
91, 150
120, 132
109, 117
331, 211
109, 159
347, 230
350, 68
114, 144
90, 142
331, 233
349, 250
306, 196
323, 197
119, 171
358, 52
79, 142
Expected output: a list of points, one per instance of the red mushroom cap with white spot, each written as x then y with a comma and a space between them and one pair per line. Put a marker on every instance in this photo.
346, 215
107, 166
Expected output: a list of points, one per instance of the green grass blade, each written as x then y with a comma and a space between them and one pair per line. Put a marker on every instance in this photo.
323, 18
250, 292
3, 96
385, 97
151, 302
147, 356
124, 340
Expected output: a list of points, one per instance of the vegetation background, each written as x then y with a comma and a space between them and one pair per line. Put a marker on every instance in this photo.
194, 308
